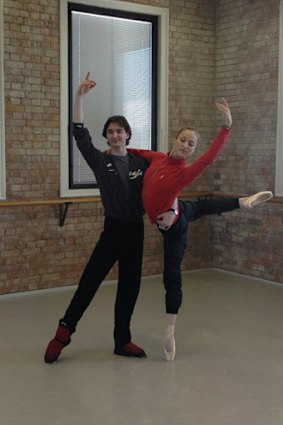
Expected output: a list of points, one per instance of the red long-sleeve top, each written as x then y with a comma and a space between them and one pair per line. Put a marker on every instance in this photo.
166, 177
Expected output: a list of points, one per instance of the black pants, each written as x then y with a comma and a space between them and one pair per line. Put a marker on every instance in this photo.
175, 241
123, 242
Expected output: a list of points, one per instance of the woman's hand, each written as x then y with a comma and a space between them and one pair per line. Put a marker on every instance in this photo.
223, 107
165, 219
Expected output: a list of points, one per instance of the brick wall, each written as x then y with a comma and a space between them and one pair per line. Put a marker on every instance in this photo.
35, 251
32, 83
247, 49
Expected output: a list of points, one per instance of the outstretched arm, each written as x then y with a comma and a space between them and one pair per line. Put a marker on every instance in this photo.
85, 86
82, 135
148, 155
198, 167
223, 107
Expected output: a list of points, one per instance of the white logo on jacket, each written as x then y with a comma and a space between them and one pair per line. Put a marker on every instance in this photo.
135, 174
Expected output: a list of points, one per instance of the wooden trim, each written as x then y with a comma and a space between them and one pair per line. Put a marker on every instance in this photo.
96, 199
275, 199
35, 202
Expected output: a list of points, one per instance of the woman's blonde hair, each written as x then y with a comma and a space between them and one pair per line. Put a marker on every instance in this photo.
189, 128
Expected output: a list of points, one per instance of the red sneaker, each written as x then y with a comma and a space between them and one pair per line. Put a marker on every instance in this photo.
56, 345
130, 350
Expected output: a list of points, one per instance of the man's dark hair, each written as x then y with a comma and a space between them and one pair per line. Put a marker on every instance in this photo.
121, 120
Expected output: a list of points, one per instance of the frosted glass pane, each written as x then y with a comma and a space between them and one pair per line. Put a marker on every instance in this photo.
118, 54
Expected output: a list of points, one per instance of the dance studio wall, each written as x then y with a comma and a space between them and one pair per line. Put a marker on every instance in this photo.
36, 252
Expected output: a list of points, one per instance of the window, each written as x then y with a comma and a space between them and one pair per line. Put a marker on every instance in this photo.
122, 57
121, 46
2, 106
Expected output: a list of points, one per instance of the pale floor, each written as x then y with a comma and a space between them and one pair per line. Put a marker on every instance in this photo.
228, 368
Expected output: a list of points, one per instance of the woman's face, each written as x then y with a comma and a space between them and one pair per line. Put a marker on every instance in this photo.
185, 144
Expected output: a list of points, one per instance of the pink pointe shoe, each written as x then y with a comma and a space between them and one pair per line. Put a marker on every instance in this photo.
169, 355
249, 202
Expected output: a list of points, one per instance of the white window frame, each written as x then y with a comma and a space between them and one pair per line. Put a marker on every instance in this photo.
162, 80
2, 115
279, 150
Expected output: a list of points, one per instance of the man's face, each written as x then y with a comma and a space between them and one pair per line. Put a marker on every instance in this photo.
116, 135
185, 144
